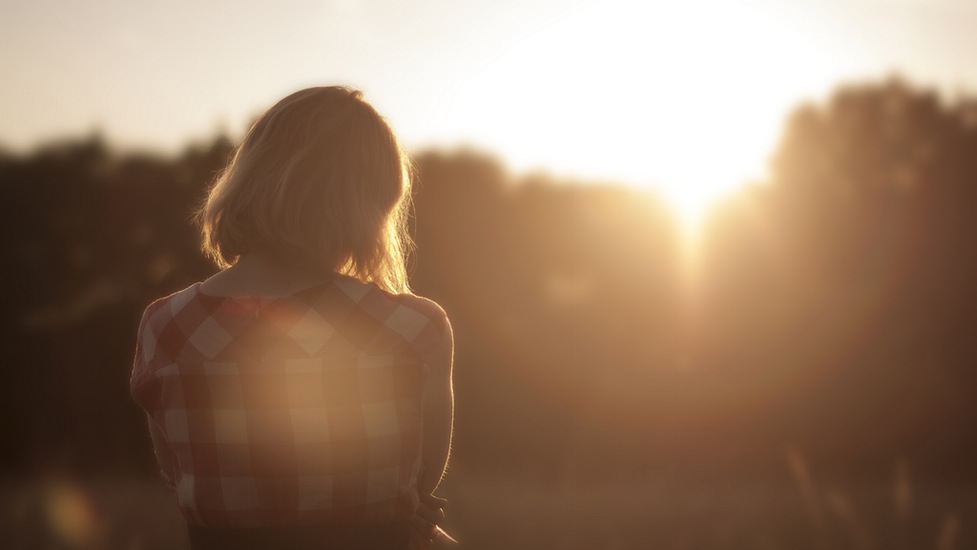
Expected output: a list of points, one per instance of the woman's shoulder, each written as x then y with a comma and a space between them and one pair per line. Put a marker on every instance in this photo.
151, 338
423, 305
422, 320
372, 296
174, 301
170, 304
415, 317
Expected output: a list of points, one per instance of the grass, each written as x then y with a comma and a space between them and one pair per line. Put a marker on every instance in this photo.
793, 510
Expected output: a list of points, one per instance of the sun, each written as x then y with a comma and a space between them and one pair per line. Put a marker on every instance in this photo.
685, 98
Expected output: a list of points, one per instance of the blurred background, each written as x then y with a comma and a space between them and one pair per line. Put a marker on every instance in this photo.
710, 263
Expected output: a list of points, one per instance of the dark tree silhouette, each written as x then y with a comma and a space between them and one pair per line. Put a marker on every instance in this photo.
832, 308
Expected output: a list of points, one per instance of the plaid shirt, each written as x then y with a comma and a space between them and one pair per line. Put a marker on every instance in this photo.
304, 409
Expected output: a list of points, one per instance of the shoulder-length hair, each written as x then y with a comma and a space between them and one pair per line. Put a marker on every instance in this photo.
319, 181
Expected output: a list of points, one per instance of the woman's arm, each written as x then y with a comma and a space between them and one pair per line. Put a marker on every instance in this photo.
163, 455
438, 411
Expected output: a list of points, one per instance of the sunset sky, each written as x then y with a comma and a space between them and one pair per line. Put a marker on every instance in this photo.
684, 95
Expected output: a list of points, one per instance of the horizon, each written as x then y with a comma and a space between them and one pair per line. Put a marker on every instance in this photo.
608, 91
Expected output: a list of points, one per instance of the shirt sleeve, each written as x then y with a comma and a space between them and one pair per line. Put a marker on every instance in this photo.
430, 339
164, 455
145, 347
145, 393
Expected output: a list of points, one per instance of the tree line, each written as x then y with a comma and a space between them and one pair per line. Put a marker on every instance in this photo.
829, 308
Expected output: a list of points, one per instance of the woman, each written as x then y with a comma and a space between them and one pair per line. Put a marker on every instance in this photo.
302, 397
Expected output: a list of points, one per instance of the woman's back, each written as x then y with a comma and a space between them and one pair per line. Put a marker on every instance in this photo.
289, 390
287, 410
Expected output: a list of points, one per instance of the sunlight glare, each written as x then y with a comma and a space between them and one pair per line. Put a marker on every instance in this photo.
686, 98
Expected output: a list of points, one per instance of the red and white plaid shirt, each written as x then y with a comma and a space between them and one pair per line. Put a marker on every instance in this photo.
303, 409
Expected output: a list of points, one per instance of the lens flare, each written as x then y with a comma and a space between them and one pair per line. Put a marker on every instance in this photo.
72, 515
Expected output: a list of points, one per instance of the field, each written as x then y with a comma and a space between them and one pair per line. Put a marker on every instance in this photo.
788, 511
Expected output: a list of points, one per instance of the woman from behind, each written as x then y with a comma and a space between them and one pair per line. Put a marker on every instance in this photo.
301, 397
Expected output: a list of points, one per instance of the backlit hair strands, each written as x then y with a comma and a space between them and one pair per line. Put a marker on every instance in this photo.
319, 181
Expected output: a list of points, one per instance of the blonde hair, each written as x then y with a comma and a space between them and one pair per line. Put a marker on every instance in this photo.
319, 181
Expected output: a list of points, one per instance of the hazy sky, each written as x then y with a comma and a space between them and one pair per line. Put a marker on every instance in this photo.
642, 91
